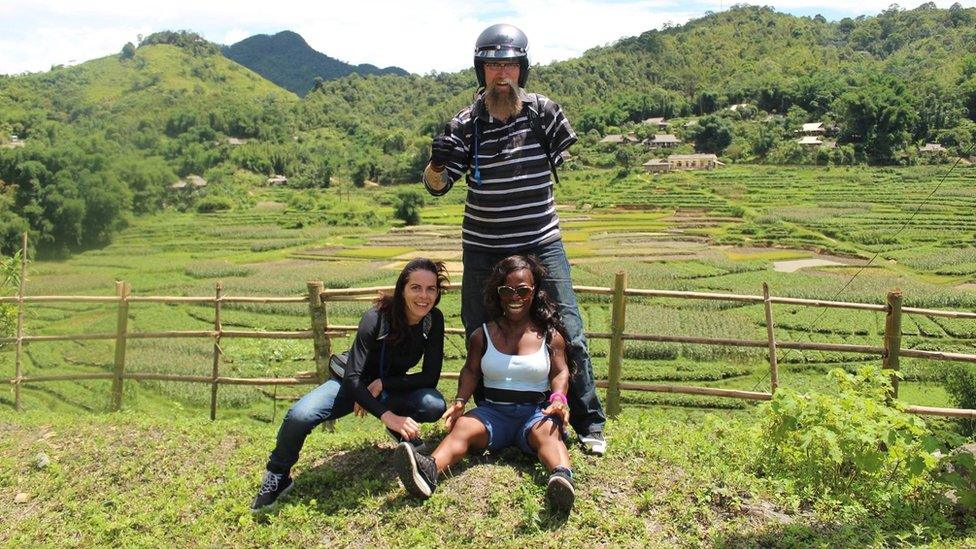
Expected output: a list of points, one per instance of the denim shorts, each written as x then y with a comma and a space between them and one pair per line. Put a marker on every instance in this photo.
509, 424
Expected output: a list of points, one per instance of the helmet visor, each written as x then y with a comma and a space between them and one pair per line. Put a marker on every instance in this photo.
502, 52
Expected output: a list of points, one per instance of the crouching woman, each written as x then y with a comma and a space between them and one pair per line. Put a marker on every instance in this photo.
520, 355
392, 337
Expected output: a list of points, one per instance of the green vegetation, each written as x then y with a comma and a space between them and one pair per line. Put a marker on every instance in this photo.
105, 140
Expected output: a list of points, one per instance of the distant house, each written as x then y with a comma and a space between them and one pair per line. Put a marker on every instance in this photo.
738, 106
691, 123
657, 121
812, 128
196, 181
178, 186
15, 142
693, 161
663, 141
810, 141
613, 138
683, 162
235, 141
277, 180
656, 165
14, 138
931, 148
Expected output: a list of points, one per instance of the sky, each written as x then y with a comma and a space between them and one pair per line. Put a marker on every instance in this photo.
420, 36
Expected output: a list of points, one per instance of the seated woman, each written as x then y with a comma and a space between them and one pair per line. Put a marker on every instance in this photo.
520, 356
392, 336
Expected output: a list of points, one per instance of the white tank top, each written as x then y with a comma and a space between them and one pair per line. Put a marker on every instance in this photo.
515, 372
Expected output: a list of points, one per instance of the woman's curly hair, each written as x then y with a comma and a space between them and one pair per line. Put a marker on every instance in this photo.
544, 311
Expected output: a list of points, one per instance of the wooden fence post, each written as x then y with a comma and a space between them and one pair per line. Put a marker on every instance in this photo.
892, 337
617, 323
773, 367
122, 290
19, 346
322, 343
216, 352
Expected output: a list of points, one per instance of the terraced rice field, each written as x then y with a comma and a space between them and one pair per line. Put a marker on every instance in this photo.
717, 231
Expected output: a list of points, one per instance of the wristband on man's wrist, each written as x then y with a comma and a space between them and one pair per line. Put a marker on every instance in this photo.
463, 401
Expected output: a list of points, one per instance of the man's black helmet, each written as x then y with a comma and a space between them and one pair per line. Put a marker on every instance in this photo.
501, 42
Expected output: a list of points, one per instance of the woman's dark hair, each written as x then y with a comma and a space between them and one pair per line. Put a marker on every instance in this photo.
392, 306
544, 312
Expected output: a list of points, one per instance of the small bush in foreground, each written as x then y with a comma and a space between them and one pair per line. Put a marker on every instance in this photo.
850, 448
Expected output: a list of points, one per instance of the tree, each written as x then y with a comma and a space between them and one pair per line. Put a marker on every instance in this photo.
878, 117
712, 134
128, 51
407, 206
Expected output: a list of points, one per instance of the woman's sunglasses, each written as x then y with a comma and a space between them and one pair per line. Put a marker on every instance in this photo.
509, 292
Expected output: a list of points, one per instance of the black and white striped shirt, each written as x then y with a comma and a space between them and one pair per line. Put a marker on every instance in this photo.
511, 205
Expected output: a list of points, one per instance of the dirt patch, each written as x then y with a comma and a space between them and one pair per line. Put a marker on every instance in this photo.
794, 265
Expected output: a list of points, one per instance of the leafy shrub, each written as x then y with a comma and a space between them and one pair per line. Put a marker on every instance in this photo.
959, 381
848, 449
211, 204
408, 205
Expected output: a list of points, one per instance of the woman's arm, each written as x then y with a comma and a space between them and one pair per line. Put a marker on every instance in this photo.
468, 381
362, 346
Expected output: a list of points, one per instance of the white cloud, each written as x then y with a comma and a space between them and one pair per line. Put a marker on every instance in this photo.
420, 35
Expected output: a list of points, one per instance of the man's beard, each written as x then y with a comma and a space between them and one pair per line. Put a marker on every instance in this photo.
503, 103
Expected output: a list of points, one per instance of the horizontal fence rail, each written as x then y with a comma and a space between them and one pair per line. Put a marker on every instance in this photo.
322, 332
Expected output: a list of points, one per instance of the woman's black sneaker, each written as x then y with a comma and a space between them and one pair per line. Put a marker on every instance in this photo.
560, 492
417, 472
418, 443
273, 486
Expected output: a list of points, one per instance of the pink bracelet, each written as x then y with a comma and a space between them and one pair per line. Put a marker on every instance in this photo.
558, 396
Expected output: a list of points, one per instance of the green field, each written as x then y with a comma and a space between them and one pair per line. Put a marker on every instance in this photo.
719, 231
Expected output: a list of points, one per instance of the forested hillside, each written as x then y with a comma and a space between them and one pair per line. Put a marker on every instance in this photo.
288, 61
104, 140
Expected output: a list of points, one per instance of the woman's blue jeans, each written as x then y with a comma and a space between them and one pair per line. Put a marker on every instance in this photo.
585, 411
331, 401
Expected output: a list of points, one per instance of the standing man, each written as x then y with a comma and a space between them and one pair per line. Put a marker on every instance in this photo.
508, 144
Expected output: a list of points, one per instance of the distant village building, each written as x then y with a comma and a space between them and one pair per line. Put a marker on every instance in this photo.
617, 139
693, 161
191, 182
657, 121
812, 128
15, 142
14, 138
683, 162
691, 123
738, 106
277, 180
235, 141
663, 141
932, 148
656, 165
810, 141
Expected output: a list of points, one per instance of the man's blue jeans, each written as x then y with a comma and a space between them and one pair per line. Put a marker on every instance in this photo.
331, 401
585, 411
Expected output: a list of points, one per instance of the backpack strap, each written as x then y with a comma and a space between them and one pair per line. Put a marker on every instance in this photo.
535, 122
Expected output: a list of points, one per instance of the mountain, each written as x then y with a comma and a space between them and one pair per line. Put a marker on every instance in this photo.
287, 60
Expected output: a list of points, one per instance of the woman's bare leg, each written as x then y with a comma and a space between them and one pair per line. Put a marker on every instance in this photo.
546, 439
469, 434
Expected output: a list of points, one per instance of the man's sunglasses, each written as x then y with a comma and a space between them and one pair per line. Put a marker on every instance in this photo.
509, 292
496, 65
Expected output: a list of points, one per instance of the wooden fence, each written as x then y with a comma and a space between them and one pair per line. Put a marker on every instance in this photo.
322, 331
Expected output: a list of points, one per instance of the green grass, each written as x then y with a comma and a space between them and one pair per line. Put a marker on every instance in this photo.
672, 478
